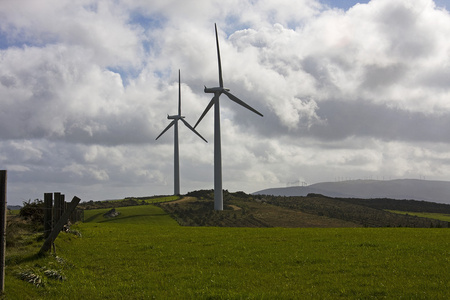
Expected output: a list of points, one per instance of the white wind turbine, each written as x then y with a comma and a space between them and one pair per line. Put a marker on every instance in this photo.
217, 91
175, 119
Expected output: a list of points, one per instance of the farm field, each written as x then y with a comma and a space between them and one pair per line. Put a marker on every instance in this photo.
145, 254
437, 216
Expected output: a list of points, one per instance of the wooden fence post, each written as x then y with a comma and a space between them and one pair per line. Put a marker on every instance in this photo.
48, 212
56, 208
3, 208
63, 204
59, 225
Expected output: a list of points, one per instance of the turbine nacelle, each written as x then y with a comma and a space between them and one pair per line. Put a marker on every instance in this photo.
216, 90
175, 117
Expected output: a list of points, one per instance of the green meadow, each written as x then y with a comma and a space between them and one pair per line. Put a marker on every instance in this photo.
145, 254
437, 216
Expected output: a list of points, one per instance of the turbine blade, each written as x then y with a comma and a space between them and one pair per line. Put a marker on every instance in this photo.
191, 128
239, 101
179, 93
167, 128
206, 110
218, 58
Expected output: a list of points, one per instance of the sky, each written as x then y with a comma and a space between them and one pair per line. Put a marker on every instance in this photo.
348, 91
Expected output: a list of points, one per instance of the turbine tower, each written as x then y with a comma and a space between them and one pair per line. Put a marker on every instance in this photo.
176, 118
217, 91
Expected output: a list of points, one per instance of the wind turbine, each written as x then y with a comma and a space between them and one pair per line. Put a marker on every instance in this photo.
217, 91
175, 119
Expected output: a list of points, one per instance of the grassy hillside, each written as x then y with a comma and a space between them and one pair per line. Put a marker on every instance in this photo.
357, 211
401, 205
437, 216
242, 210
144, 254
130, 201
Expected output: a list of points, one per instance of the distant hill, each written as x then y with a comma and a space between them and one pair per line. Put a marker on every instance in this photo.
14, 207
411, 189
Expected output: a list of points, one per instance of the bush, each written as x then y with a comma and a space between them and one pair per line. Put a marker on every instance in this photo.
33, 211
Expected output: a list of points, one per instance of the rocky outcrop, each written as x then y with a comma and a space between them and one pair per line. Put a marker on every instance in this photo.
111, 214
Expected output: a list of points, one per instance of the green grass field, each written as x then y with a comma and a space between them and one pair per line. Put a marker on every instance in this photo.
13, 212
442, 217
144, 254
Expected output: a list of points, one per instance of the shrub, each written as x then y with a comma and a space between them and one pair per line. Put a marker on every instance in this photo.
34, 212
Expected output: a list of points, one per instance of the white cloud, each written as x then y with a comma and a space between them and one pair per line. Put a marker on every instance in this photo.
100, 27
